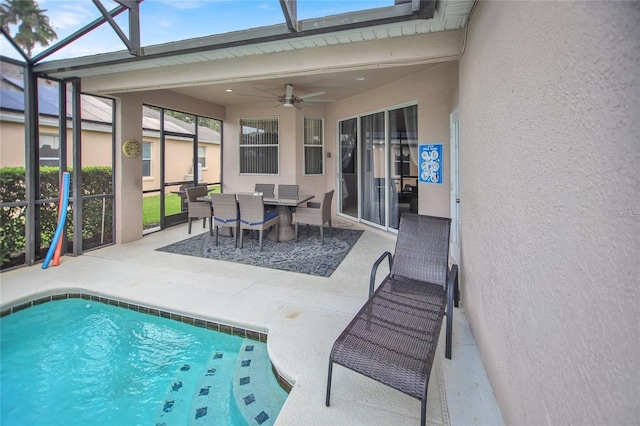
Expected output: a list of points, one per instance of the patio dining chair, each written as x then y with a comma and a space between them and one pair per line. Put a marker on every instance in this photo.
316, 214
288, 191
253, 216
225, 215
198, 209
266, 189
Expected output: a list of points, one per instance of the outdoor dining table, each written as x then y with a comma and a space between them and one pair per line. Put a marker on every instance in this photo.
283, 208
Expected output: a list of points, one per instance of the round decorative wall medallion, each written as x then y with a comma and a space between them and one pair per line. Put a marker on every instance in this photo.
132, 148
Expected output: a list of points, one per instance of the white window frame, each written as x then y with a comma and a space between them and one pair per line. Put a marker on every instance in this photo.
149, 159
202, 157
241, 146
308, 144
55, 139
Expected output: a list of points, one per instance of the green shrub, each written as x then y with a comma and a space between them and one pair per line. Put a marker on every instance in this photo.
96, 213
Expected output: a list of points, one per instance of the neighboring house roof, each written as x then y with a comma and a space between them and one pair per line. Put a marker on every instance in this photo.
94, 109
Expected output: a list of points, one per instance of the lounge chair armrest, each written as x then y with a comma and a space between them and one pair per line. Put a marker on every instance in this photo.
374, 270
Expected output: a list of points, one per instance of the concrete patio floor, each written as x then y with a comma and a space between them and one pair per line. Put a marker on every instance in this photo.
302, 314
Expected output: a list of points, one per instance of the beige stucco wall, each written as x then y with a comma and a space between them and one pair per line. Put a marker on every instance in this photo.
433, 90
291, 128
426, 48
129, 126
97, 151
96, 143
11, 144
550, 190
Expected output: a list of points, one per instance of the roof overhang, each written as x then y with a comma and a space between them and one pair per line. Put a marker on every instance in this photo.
407, 18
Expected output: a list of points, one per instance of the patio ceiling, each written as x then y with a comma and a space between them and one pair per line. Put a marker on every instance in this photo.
263, 44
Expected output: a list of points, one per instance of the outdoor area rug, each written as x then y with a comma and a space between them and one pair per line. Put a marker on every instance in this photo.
306, 256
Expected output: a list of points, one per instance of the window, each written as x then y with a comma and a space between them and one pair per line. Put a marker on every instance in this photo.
259, 145
313, 146
402, 163
146, 159
202, 157
49, 150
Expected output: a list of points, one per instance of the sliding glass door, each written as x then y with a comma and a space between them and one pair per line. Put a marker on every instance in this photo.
382, 184
348, 167
373, 173
403, 162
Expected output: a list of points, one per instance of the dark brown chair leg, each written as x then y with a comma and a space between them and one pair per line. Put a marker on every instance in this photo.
329, 383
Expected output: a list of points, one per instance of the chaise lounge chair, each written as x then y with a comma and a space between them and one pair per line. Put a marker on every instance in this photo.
393, 338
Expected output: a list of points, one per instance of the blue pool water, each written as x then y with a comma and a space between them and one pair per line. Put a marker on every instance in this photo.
82, 362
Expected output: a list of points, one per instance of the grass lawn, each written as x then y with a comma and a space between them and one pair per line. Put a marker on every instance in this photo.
172, 205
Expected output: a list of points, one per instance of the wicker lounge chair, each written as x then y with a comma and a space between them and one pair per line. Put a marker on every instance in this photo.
198, 209
266, 189
393, 338
315, 214
225, 215
254, 217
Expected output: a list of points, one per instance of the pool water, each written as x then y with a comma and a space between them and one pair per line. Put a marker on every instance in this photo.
82, 362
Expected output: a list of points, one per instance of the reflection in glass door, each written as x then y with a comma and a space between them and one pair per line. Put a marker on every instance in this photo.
383, 183
348, 167
403, 170
373, 172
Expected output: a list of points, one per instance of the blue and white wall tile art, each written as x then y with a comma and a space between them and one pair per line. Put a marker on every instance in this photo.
430, 163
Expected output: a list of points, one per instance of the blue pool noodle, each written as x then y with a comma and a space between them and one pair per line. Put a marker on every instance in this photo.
61, 221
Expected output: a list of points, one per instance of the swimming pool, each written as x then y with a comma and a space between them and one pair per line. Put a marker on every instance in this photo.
78, 361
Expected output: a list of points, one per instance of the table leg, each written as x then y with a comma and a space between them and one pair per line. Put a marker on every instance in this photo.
287, 232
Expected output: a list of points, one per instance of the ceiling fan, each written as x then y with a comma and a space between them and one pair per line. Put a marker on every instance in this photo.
288, 99
291, 100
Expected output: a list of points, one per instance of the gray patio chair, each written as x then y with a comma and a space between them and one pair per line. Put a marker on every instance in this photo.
393, 338
254, 217
225, 215
266, 189
198, 209
316, 214
288, 191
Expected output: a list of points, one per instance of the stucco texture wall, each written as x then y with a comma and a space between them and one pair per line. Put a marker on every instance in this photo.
433, 90
550, 199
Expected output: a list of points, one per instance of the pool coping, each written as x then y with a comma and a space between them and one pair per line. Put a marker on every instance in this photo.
225, 328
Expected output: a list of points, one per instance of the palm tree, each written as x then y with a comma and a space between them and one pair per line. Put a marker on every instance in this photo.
33, 24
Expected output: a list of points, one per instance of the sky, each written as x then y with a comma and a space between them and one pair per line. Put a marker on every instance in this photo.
163, 21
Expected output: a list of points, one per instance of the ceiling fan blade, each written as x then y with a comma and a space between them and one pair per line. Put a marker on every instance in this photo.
310, 95
311, 101
268, 92
253, 96
288, 91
